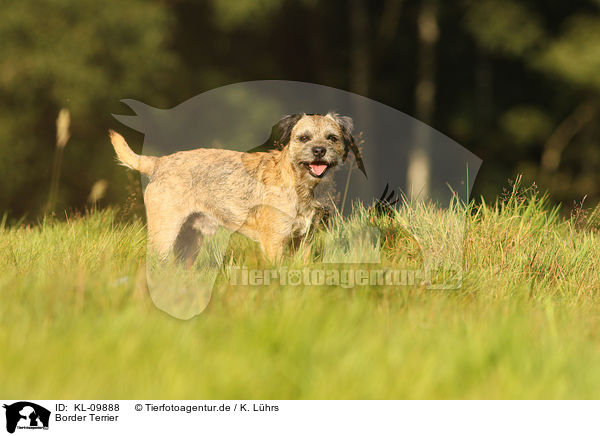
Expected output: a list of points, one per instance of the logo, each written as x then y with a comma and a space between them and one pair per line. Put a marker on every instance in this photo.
26, 415
398, 152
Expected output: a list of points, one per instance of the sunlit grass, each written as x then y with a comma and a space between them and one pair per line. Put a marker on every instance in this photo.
78, 320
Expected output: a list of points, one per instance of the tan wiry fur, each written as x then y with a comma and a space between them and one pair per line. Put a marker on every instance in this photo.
267, 196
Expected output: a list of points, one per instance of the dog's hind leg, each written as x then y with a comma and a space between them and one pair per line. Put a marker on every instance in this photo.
162, 235
165, 217
189, 239
187, 244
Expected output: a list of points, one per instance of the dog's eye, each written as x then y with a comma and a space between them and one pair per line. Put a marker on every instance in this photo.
332, 138
304, 138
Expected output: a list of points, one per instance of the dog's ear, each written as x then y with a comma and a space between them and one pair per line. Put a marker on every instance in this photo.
280, 134
347, 125
282, 131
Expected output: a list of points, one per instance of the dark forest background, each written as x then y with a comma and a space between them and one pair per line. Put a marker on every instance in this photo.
515, 82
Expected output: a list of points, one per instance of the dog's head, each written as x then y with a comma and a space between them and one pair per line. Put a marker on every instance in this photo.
318, 143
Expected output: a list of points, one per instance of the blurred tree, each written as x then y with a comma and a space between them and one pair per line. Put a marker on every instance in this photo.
515, 81
230, 15
561, 50
83, 55
419, 166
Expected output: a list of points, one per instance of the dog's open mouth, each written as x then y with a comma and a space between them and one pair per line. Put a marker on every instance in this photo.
317, 168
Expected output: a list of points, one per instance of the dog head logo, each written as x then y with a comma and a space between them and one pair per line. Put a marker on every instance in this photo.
26, 415
364, 156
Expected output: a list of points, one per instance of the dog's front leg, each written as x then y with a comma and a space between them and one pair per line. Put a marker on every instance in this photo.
274, 228
273, 248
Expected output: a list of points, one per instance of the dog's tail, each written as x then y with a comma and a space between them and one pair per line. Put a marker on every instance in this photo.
127, 157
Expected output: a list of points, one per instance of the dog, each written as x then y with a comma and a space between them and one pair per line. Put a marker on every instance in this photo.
267, 196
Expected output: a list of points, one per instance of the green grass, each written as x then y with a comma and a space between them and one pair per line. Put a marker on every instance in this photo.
78, 321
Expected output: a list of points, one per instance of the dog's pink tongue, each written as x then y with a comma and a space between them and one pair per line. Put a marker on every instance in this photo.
318, 169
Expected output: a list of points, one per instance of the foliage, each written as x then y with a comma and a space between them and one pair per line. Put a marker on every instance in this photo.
81, 55
504, 26
511, 79
523, 325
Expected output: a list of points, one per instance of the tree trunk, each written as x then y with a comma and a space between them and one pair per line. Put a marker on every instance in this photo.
419, 166
360, 62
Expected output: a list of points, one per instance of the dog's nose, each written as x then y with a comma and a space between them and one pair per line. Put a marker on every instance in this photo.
318, 151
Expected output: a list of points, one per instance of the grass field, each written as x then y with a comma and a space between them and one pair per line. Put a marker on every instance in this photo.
78, 321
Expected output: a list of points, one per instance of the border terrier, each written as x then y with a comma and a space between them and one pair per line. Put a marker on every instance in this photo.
266, 196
